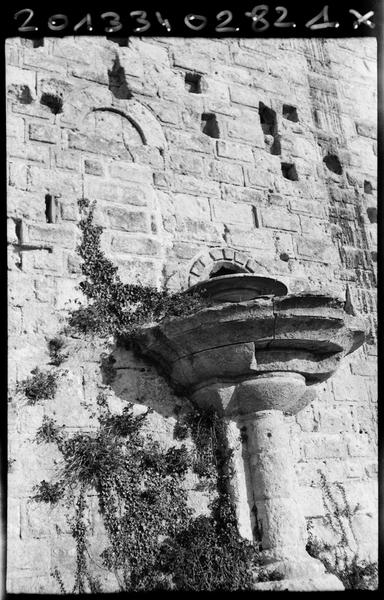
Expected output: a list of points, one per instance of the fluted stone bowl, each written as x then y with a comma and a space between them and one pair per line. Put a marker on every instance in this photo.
238, 287
224, 347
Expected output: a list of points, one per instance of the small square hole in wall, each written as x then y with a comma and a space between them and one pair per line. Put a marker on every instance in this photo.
333, 163
372, 214
54, 102
290, 113
209, 125
267, 119
51, 209
19, 231
193, 83
368, 187
289, 171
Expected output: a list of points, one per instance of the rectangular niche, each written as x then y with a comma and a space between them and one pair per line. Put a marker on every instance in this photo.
52, 209
193, 83
290, 113
209, 125
289, 171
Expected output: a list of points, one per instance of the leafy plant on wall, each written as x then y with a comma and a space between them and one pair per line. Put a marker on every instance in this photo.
153, 540
354, 572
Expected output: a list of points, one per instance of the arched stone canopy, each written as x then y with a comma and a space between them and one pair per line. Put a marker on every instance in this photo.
212, 259
80, 102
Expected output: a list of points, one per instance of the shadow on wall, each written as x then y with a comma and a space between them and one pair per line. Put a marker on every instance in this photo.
135, 379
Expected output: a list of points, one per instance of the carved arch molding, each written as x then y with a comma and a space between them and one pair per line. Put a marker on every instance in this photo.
212, 259
82, 102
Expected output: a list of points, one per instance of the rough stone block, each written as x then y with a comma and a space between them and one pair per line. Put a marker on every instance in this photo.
67, 293
195, 207
66, 159
323, 446
247, 59
38, 58
226, 172
235, 193
130, 172
349, 388
134, 245
121, 218
194, 142
98, 74
366, 129
320, 250
200, 230
258, 239
236, 151
194, 186
41, 179
50, 234
250, 132
136, 195
244, 95
336, 419
14, 128
307, 207
21, 77
186, 251
230, 212
18, 175
259, 176
147, 156
16, 148
279, 219
192, 60
97, 144
44, 133
358, 445
30, 556
186, 162
312, 502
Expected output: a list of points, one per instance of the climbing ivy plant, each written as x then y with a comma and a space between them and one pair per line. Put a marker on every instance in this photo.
153, 540
114, 307
354, 572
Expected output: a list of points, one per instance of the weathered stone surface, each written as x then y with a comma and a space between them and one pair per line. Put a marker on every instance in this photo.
222, 201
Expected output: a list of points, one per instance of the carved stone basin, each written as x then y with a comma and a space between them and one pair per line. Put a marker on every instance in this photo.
228, 345
239, 287
254, 355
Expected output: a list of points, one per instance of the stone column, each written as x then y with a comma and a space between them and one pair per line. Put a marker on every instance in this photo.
281, 522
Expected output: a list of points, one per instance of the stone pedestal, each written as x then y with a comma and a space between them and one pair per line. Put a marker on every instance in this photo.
280, 521
253, 359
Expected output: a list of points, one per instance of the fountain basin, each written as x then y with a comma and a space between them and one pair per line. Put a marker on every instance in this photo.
254, 359
238, 287
231, 344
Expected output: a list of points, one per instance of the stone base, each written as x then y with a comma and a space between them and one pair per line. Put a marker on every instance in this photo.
325, 583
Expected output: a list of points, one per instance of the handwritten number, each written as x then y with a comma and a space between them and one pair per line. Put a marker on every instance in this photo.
57, 22
164, 22
227, 16
257, 15
86, 21
25, 27
114, 22
190, 21
141, 17
280, 21
313, 24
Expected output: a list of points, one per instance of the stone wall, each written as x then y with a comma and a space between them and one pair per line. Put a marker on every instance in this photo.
258, 153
